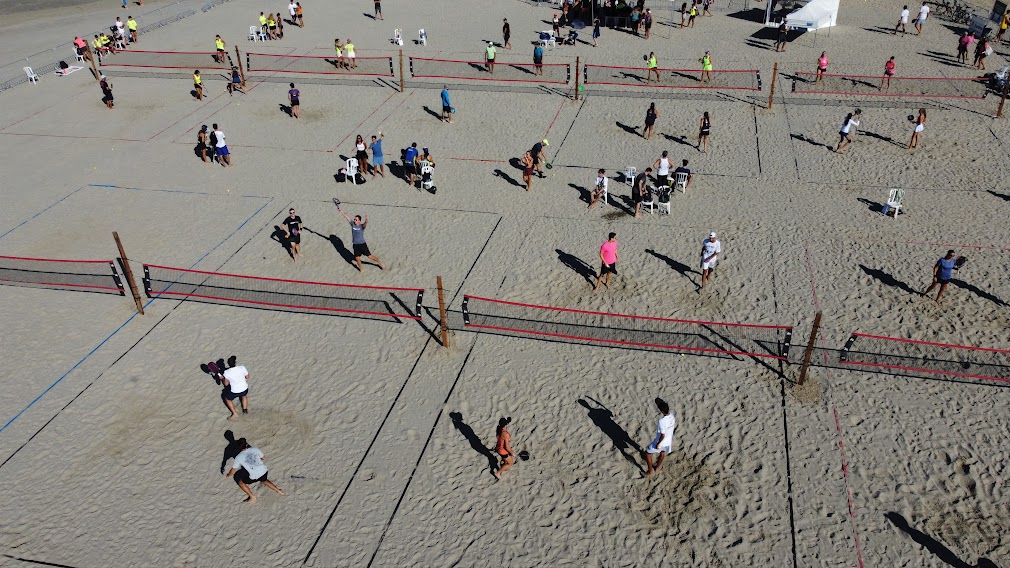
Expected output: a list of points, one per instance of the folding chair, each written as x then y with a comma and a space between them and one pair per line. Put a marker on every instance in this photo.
422, 37
351, 172
680, 182
31, 75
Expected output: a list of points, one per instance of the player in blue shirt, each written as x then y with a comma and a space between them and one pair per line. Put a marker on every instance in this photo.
943, 271
446, 106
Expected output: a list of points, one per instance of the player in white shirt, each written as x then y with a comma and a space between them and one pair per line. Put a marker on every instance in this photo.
663, 443
236, 385
903, 20
248, 467
923, 14
599, 188
710, 249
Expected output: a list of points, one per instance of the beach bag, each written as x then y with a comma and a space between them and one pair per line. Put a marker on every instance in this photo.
664, 195
988, 51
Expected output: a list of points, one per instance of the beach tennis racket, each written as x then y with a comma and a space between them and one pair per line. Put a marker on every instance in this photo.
215, 371
961, 261
548, 165
524, 455
336, 202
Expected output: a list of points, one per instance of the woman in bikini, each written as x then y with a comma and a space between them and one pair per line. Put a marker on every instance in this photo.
503, 447
704, 129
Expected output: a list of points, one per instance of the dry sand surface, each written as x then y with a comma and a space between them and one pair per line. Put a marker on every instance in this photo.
111, 436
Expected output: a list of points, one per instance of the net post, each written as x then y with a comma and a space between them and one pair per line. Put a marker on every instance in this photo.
441, 313
128, 273
91, 58
401, 70
241, 71
810, 348
576, 77
1002, 99
775, 76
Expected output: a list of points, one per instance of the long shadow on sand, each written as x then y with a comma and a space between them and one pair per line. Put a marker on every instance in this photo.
338, 244
680, 267
885, 278
475, 442
603, 418
577, 264
934, 546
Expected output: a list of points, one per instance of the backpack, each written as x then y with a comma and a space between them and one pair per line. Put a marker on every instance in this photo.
213, 139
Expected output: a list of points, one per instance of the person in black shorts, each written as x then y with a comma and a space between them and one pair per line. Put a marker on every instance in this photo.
780, 42
506, 32
236, 82
538, 155
640, 191
409, 158
293, 99
106, 87
358, 239
249, 468
293, 233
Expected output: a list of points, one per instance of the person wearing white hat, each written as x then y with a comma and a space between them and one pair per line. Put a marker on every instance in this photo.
538, 155
710, 249
490, 57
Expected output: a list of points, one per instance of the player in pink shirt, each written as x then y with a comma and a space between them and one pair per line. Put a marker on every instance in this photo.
608, 260
888, 73
822, 66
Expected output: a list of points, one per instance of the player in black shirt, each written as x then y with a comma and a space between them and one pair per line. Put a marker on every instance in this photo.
293, 233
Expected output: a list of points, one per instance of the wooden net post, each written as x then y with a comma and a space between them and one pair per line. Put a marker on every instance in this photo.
441, 313
771, 93
401, 70
810, 348
241, 71
576, 77
129, 273
91, 58
1002, 99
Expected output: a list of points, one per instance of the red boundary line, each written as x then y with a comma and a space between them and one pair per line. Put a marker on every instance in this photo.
921, 370
51, 259
920, 342
651, 318
631, 343
881, 76
282, 279
910, 96
673, 86
848, 487
291, 306
62, 285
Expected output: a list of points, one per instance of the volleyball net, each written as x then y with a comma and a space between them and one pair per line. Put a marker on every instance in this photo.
877, 86
193, 60
377, 66
369, 302
627, 331
98, 276
723, 79
509, 71
913, 357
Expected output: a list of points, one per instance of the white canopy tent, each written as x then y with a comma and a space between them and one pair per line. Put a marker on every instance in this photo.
812, 15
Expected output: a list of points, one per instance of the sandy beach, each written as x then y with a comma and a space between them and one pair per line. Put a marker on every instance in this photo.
112, 437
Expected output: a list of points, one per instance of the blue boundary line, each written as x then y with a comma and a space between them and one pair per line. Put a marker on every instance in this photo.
118, 329
65, 197
112, 186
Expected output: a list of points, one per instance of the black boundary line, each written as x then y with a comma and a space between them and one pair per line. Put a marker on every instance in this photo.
570, 127
792, 141
421, 207
389, 412
757, 140
424, 449
37, 562
142, 337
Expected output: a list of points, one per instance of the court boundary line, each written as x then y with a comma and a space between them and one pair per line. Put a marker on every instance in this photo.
26, 221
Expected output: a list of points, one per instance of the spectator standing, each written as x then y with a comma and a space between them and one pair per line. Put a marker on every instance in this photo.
378, 160
902, 21
446, 106
506, 32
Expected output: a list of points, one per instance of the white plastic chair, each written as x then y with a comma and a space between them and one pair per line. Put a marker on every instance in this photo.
252, 32
605, 195
651, 204
398, 36
80, 58
422, 37
31, 75
894, 198
629, 175
680, 182
351, 172
550, 41
427, 175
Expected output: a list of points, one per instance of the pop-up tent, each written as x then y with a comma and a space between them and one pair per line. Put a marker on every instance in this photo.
810, 16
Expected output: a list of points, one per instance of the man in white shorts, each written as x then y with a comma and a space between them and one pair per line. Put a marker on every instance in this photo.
923, 14
902, 20
663, 444
710, 249
236, 385
292, 10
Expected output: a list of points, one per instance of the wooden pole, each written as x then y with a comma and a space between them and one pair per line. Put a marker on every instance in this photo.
771, 94
91, 58
401, 70
129, 273
441, 313
810, 348
241, 71
577, 76
1002, 99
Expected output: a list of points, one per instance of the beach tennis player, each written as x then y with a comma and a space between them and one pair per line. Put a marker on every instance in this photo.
943, 271
503, 447
236, 385
358, 239
608, 260
663, 442
710, 249
293, 233
249, 468
845, 132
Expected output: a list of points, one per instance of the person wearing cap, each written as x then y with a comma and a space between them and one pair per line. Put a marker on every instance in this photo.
106, 87
608, 261
446, 105
710, 249
503, 447
943, 271
490, 57
538, 155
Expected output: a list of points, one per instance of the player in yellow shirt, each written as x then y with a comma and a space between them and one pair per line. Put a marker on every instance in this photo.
219, 43
198, 85
131, 25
